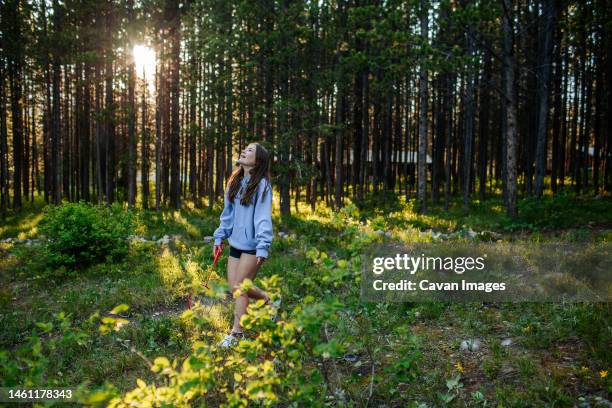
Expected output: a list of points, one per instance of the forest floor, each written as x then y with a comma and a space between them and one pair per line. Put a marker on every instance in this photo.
391, 354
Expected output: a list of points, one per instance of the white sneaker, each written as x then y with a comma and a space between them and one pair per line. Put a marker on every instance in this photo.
230, 340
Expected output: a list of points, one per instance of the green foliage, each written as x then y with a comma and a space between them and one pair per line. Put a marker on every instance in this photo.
405, 368
54, 341
453, 386
80, 234
158, 358
24, 367
561, 210
247, 374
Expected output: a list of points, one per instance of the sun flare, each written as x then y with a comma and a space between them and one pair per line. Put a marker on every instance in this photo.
144, 59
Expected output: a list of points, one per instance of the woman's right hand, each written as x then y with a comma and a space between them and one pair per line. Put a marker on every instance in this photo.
217, 248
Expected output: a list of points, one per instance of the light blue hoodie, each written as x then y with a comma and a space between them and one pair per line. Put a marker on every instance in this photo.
248, 227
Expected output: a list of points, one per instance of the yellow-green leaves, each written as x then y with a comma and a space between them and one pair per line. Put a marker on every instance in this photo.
141, 384
119, 309
112, 323
160, 364
45, 327
244, 287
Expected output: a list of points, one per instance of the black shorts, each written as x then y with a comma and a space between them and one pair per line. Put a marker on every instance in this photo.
235, 252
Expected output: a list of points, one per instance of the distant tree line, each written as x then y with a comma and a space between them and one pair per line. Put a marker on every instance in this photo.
425, 99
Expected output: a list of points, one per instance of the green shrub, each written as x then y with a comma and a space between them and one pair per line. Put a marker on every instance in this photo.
563, 210
556, 211
80, 234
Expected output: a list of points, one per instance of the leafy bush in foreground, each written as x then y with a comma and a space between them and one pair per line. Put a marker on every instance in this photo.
80, 234
269, 370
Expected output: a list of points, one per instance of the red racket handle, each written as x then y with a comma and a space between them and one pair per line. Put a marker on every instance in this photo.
218, 253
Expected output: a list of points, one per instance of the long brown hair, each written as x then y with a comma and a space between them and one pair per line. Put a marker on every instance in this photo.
258, 172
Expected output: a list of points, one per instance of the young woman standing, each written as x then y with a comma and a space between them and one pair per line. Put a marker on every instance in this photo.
246, 221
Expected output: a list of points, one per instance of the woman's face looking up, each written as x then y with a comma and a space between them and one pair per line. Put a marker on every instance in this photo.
247, 157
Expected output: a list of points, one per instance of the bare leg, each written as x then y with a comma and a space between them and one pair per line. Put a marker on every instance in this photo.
232, 277
247, 269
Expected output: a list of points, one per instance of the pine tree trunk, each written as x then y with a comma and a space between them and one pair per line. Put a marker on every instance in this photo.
357, 133
192, 129
510, 96
173, 18
144, 145
376, 132
447, 107
468, 124
549, 12
25, 169
485, 101
158, 136
338, 145
55, 116
109, 136
556, 125
423, 96
65, 157
4, 191
15, 75
131, 182
100, 135
365, 136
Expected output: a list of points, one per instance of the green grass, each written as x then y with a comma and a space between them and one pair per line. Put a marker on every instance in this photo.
557, 352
